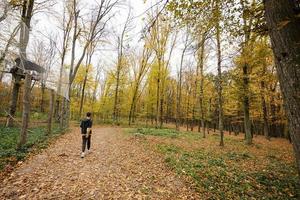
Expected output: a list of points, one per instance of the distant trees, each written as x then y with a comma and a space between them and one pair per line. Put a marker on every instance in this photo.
226, 78
96, 28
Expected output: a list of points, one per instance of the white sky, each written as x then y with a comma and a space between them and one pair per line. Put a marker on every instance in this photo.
47, 24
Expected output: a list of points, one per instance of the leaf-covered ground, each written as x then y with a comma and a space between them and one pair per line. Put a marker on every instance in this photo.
9, 137
265, 170
119, 167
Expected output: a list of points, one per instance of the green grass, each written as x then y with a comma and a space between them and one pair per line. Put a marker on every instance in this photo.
166, 132
9, 137
225, 173
213, 173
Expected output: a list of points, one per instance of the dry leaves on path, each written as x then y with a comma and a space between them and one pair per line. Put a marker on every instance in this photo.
117, 168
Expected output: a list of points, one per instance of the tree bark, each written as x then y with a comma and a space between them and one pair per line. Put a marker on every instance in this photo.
116, 101
158, 94
246, 104
283, 25
43, 87
264, 111
220, 96
26, 111
88, 63
50, 115
27, 11
201, 65
13, 101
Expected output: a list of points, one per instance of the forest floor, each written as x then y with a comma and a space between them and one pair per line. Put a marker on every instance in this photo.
118, 167
149, 163
264, 170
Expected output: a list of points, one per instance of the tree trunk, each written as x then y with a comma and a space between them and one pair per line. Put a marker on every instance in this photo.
246, 105
158, 95
202, 84
82, 92
220, 100
50, 115
13, 101
284, 30
178, 102
26, 111
24, 38
179, 87
161, 118
116, 101
27, 10
133, 102
56, 108
264, 111
43, 87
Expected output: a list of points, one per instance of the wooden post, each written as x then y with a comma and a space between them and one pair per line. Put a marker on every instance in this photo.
26, 110
51, 108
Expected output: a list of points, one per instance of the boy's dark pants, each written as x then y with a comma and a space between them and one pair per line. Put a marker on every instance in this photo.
86, 141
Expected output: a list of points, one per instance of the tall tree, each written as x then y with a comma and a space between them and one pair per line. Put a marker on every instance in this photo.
66, 26
283, 23
200, 65
27, 11
143, 67
102, 16
26, 15
248, 21
159, 35
179, 85
120, 65
87, 64
219, 78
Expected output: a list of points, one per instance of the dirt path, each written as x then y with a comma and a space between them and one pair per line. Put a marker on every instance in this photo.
117, 168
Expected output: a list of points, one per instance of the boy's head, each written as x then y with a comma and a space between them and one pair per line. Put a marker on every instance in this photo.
88, 114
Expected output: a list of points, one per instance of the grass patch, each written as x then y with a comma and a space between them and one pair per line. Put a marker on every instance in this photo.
236, 171
166, 132
158, 132
225, 178
9, 137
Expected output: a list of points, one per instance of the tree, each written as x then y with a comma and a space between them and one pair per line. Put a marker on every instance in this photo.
44, 55
219, 82
26, 14
97, 27
160, 32
87, 64
6, 49
200, 59
120, 66
143, 67
283, 23
27, 11
66, 28
179, 85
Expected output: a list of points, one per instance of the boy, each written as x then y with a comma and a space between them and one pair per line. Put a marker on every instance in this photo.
86, 132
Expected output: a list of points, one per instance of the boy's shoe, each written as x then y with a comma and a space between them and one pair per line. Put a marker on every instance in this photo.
82, 155
88, 151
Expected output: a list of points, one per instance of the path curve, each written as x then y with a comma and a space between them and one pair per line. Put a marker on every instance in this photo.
117, 168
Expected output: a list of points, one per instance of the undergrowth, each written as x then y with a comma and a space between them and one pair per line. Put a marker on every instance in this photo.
240, 172
36, 140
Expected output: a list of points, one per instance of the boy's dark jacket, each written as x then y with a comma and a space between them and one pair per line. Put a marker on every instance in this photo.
86, 123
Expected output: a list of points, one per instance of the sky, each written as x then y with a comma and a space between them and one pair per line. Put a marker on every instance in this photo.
46, 23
